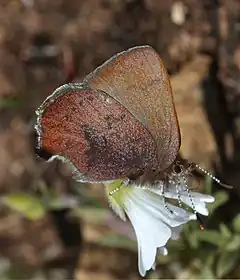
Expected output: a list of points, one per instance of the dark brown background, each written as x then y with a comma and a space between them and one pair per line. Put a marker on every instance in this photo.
202, 54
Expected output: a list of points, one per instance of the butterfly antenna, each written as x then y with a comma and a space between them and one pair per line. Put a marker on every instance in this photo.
202, 228
193, 205
164, 200
118, 188
212, 177
178, 195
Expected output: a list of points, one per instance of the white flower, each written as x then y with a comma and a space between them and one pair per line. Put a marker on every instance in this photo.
154, 220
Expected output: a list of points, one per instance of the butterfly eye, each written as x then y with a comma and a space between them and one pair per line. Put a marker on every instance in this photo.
177, 168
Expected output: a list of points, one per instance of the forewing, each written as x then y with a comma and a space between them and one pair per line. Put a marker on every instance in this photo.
98, 135
138, 79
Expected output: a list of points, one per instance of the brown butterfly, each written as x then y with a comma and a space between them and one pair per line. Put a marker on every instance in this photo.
119, 122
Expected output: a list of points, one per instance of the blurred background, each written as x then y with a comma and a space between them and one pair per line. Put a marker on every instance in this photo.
54, 228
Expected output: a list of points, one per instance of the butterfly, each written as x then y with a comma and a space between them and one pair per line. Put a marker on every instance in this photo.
118, 122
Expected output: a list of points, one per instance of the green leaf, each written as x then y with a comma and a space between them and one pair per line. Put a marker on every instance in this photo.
233, 244
209, 260
91, 214
225, 231
61, 202
119, 241
8, 103
208, 185
193, 239
211, 236
206, 273
29, 206
227, 261
236, 223
221, 197
83, 193
153, 274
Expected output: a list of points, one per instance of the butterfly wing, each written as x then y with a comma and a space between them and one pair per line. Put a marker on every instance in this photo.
138, 80
95, 133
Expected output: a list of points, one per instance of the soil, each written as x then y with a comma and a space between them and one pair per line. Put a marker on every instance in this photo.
81, 35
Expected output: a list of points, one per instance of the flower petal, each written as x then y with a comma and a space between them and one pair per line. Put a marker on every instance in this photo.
203, 197
198, 199
117, 208
199, 205
148, 240
154, 220
155, 204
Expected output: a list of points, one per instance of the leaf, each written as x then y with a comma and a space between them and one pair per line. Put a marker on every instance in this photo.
61, 202
208, 185
206, 273
84, 196
29, 206
119, 241
227, 261
193, 240
221, 197
225, 231
211, 236
209, 260
153, 274
236, 223
233, 244
92, 215
8, 103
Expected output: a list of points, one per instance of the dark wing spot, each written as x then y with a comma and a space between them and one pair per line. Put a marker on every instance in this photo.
113, 120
